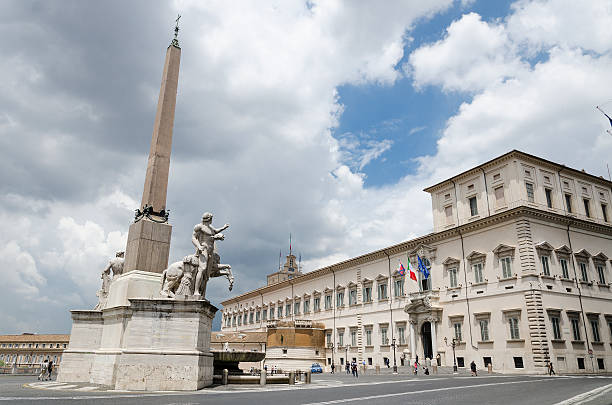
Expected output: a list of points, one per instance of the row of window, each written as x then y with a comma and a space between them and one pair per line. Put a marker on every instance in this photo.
383, 331
34, 345
577, 326
27, 359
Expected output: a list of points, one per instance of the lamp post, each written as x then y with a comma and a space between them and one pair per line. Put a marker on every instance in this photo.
394, 360
346, 349
453, 344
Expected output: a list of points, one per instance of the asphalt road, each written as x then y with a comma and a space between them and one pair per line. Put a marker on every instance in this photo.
343, 389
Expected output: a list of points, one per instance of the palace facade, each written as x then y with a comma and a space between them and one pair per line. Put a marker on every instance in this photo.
30, 350
520, 276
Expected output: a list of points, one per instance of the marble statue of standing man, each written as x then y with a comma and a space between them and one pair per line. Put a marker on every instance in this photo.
204, 236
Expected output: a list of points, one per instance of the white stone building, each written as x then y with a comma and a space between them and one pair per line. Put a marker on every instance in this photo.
520, 275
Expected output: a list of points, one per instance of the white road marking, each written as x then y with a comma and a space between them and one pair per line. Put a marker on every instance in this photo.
86, 389
397, 394
62, 387
587, 396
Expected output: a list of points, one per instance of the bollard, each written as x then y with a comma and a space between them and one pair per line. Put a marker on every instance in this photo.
308, 377
435, 369
262, 377
490, 368
291, 377
224, 377
377, 369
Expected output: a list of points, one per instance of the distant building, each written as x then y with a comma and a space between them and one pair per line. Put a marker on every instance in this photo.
289, 270
520, 276
31, 349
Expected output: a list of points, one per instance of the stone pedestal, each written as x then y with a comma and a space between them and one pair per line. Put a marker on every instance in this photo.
150, 345
148, 246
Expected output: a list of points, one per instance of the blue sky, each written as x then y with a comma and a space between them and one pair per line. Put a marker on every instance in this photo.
412, 118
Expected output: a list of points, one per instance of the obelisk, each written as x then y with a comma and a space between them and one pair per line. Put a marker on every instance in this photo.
148, 244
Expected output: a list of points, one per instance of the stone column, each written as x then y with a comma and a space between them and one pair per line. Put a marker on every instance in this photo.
412, 341
434, 339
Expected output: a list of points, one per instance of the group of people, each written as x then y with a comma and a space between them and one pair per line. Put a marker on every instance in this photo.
46, 368
351, 368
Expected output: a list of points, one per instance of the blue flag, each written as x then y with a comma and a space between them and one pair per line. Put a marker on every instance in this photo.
422, 268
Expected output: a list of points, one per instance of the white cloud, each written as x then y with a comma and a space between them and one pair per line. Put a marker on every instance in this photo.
472, 56
20, 275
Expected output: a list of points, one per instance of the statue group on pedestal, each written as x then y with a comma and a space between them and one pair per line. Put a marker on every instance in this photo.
116, 265
190, 276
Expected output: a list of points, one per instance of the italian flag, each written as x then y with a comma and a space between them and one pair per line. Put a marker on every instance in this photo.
412, 274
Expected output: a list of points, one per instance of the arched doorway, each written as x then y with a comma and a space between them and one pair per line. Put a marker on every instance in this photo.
426, 336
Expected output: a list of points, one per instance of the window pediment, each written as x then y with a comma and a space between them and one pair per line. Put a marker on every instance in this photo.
474, 256
583, 254
502, 249
339, 287
351, 285
544, 247
381, 277
563, 249
316, 293
600, 257
450, 261
327, 290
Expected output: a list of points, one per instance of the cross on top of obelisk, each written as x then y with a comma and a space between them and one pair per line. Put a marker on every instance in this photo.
176, 31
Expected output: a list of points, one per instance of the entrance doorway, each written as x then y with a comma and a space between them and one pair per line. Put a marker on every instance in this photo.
426, 335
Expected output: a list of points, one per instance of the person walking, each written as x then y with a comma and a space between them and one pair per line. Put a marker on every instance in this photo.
416, 367
364, 366
473, 368
43, 370
50, 369
347, 366
355, 370
333, 367
551, 370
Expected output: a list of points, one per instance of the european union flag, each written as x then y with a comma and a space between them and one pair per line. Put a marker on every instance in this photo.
422, 268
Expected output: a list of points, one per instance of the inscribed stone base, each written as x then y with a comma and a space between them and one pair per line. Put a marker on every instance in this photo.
152, 344
133, 284
148, 246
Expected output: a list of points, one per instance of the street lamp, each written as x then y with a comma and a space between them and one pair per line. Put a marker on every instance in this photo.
394, 360
346, 355
453, 344
331, 346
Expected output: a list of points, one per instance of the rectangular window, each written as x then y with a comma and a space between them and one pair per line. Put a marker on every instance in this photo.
575, 328
583, 271
317, 304
265, 315
514, 328
556, 328
518, 362
548, 197
457, 329
587, 207
600, 274
473, 206
288, 310
296, 308
367, 294
369, 361
352, 296
595, 330
580, 363
600, 364
279, 311
257, 316
499, 196
564, 269
460, 361
306, 306
382, 291
401, 333
239, 322
604, 211
251, 317
368, 333
448, 212
506, 264
339, 298
353, 338
452, 275
384, 339
233, 320
610, 327
328, 301
484, 330
568, 203
328, 338
399, 287
340, 338
245, 318
529, 188
545, 266
478, 278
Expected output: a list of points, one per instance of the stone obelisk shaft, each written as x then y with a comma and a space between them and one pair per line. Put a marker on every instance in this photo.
148, 245
156, 181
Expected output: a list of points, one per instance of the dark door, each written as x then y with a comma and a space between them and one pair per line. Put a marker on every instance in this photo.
426, 334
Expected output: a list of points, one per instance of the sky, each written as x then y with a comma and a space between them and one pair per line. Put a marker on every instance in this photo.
323, 119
